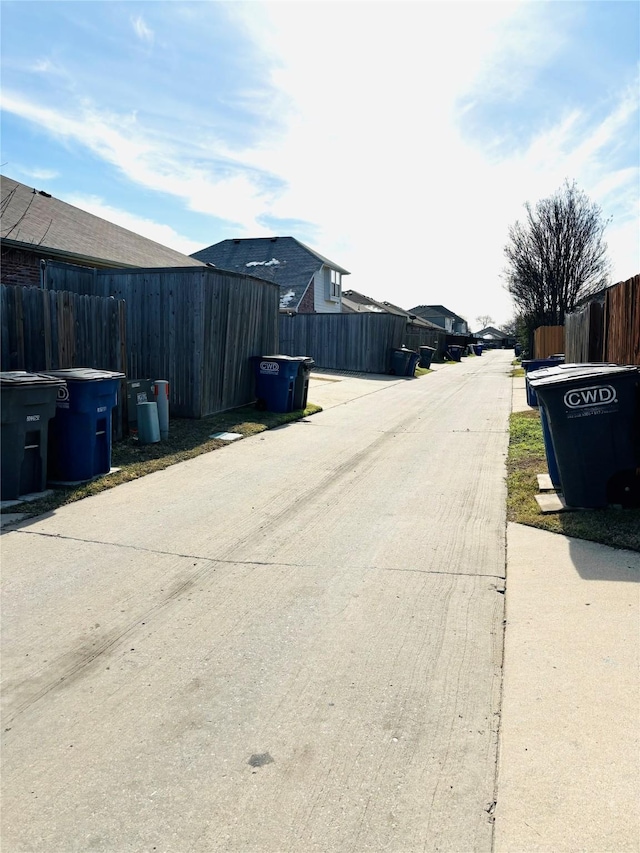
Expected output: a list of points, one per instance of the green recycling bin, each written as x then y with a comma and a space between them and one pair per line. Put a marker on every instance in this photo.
28, 404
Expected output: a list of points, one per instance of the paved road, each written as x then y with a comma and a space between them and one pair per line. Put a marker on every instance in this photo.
291, 644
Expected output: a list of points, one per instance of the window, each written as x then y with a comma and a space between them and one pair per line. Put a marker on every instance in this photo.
336, 281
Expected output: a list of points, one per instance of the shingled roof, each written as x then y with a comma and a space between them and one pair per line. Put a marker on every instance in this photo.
436, 309
355, 302
35, 220
283, 260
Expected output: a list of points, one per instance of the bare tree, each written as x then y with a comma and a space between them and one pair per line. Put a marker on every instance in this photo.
556, 257
484, 320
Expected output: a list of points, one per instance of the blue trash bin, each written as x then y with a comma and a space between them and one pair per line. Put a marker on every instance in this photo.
593, 413
454, 352
400, 361
275, 378
80, 432
477, 348
532, 364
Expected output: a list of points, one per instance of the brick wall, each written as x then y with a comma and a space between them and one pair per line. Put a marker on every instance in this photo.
307, 305
20, 267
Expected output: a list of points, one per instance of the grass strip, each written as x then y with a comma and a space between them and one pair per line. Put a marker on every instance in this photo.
187, 438
619, 528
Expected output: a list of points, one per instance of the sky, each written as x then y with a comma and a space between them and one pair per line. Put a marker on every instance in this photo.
398, 139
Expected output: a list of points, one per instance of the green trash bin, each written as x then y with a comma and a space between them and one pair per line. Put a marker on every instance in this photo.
28, 402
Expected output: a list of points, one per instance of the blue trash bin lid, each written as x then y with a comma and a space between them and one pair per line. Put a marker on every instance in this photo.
20, 378
85, 374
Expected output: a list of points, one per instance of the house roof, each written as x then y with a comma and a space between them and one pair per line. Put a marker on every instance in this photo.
283, 260
437, 309
491, 332
33, 219
358, 302
413, 317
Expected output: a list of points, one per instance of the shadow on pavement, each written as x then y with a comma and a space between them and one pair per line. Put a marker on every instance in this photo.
601, 563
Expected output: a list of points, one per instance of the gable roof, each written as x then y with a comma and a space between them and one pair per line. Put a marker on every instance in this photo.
437, 309
491, 332
35, 220
358, 302
283, 260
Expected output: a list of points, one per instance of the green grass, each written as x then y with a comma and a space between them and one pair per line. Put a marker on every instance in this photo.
615, 527
518, 371
187, 438
422, 371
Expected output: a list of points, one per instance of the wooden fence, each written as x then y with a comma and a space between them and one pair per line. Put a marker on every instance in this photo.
417, 336
45, 330
583, 332
622, 322
548, 340
607, 328
193, 326
360, 342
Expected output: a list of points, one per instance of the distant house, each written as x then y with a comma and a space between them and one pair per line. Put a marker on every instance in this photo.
352, 301
495, 337
36, 226
442, 317
309, 283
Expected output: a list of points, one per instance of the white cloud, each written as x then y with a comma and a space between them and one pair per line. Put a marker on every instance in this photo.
141, 29
376, 150
157, 231
37, 173
151, 162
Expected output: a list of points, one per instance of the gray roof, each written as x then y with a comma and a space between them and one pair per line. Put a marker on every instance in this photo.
283, 260
35, 220
358, 302
491, 330
413, 317
427, 310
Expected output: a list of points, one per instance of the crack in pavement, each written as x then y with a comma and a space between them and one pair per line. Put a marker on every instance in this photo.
224, 561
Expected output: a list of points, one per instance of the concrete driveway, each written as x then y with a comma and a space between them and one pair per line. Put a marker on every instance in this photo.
290, 644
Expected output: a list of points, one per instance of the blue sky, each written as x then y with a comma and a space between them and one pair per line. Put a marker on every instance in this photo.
399, 139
